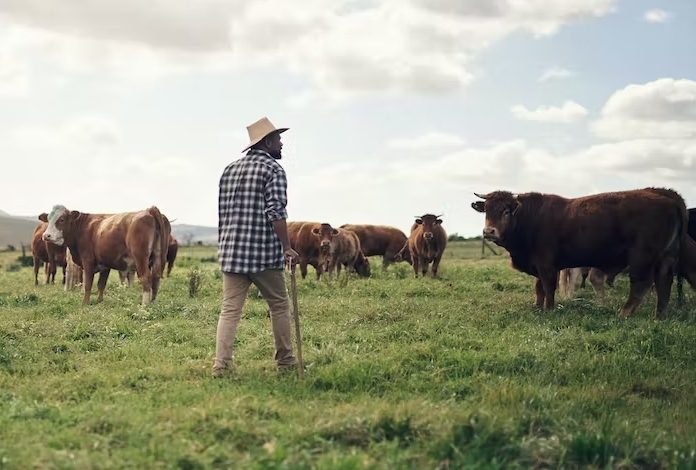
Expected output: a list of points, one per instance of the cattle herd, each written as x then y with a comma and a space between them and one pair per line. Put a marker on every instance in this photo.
647, 233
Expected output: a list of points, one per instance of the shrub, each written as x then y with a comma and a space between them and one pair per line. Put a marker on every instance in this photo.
194, 281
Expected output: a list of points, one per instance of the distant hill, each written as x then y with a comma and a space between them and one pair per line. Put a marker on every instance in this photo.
16, 230
192, 234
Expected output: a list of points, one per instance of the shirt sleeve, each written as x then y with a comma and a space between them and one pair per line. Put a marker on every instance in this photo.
275, 194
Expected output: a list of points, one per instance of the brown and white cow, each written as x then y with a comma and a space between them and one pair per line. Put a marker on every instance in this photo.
73, 272
381, 240
643, 229
345, 251
309, 240
101, 242
46, 254
427, 243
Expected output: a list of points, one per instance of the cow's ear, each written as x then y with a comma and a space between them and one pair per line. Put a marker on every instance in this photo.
315, 231
43, 217
419, 221
479, 206
438, 221
335, 232
74, 214
518, 204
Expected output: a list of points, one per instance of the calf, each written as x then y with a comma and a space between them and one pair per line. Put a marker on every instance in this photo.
643, 229
381, 240
426, 243
345, 251
310, 240
101, 242
46, 254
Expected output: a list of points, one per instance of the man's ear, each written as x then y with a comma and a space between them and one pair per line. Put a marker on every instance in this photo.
479, 206
43, 217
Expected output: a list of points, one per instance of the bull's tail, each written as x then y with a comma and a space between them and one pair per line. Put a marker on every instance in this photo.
161, 241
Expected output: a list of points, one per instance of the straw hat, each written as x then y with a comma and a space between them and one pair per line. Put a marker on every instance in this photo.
259, 130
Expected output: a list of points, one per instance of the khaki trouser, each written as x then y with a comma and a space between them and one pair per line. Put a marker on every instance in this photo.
271, 284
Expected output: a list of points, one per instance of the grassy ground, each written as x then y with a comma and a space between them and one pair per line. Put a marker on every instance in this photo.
405, 373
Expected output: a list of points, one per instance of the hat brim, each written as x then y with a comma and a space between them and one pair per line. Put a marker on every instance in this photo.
279, 131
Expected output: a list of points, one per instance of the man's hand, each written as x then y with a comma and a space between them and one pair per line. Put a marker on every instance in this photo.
291, 256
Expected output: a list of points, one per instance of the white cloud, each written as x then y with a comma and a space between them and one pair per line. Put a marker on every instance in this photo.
656, 16
86, 133
14, 76
555, 73
342, 47
661, 109
569, 112
427, 141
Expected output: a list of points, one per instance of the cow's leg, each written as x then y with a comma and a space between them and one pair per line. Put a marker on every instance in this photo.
540, 294
436, 265
641, 281
88, 279
303, 267
37, 262
549, 280
170, 265
64, 268
129, 278
47, 273
680, 289
52, 268
145, 276
664, 276
156, 276
424, 265
416, 261
584, 272
101, 284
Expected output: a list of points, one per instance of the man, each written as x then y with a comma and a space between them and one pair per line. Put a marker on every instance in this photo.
253, 242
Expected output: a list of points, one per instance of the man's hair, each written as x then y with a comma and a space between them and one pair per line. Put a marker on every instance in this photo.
261, 144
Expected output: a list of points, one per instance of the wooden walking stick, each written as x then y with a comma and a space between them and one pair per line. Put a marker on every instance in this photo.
295, 314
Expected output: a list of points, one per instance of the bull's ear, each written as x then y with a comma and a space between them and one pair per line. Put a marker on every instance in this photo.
43, 217
74, 214
479, 206
315, 231
419, 221
334, 231
438, 221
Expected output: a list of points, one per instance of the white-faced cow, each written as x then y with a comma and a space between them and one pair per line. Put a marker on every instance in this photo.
427, 243
101, 242
643, 229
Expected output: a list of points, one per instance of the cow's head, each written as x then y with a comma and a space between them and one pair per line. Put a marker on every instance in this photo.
500, 208
362, 265
325, 233
428, 222
60, 221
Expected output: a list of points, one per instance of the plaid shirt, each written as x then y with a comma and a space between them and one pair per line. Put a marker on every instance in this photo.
252, 195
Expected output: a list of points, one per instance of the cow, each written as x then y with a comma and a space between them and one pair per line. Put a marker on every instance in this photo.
345, 251
101, 242
381, 240
691, 231
426, 243
73, 272
568, 279
46, 254
643, 229
309, 241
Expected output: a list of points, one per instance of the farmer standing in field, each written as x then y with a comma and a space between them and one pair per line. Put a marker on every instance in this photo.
253, 242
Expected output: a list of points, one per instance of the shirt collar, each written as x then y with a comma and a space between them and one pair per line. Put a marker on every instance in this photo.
257, 152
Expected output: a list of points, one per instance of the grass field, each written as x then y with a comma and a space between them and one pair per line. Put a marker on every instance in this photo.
459, 372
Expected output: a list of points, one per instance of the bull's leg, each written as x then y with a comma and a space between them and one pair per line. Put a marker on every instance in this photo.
37, 262
549, 280
540, 294
101, 284
597, 279
88, 278
640, 284
436, 265
664, 276
416, 262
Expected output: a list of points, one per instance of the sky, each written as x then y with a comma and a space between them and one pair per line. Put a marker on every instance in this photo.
396, 108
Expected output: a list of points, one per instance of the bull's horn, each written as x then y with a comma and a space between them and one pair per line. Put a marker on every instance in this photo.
482, 196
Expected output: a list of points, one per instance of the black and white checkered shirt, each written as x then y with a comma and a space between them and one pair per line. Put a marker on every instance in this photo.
253, 193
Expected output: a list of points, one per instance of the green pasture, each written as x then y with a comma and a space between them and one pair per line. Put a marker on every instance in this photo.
459, 372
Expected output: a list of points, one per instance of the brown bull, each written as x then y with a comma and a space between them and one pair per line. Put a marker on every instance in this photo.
46, 254
643, 229
381, 240
309, 240
426, 243
345, 251
101, 242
